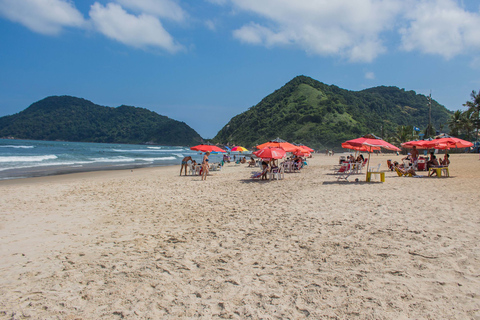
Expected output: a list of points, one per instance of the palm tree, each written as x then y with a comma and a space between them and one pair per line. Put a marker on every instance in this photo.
403, 134
474, 110
454, 123
466, 125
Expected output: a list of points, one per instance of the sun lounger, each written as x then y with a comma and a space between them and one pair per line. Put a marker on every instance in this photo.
402, 174
344, 171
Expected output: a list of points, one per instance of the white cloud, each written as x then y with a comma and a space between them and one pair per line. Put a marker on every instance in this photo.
47, 17
138, 31
441, 27
357, 30
369, 75
348, 28
210, 24
160, 8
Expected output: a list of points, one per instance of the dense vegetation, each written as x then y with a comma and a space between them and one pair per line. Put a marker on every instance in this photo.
310, 112
74, 119
466, 124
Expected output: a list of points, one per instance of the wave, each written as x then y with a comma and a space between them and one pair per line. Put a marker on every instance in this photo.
18, 147
150, 149
28, 158
158, 159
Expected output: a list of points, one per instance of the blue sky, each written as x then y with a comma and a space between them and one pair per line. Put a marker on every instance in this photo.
205, 61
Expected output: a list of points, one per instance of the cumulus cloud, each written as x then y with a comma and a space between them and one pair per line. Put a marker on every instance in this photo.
140, 31
356, 30
47, 17
167, 9
369, 75
441, 27
348, 28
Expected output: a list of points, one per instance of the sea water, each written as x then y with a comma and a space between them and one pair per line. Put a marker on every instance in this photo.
28, 158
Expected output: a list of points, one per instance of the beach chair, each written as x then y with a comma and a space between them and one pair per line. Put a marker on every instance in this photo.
277, 173
191, 169
258, 174
401, 174
344, 171
390, 165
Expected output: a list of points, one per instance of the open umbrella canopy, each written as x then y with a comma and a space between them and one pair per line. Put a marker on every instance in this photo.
301, 152
278, 143
346, 145
420, 144
306, 148
239, 149
451, 142
439, 143
370, 142
207, 148
270, 153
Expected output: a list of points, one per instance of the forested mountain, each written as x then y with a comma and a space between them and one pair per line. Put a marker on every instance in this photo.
320, 115
74, 119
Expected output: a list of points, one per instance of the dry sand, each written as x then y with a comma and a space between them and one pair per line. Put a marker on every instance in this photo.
150, 244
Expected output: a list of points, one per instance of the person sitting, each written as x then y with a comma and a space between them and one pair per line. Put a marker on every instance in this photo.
446, 160
251, 163
264, 170
432, 161
194, 165
243, 160
403, 170
360, 158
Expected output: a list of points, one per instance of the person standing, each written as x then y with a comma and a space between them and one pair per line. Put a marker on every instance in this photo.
414, 155
185, 164
205, 167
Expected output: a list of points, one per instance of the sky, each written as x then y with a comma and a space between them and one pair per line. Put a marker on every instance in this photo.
204, 61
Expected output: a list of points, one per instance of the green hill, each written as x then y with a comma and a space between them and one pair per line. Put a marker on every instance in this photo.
74, 119
308, 111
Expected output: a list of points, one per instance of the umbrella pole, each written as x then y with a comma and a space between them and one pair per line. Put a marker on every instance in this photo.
368, 165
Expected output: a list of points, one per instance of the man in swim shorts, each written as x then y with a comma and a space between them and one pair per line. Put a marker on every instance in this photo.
184, 164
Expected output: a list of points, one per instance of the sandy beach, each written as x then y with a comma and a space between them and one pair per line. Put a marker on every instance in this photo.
148, 244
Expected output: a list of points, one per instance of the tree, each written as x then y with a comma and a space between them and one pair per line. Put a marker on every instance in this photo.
473, 110
455, 122
403, 134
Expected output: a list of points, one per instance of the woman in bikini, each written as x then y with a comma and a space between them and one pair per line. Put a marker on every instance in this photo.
205, 167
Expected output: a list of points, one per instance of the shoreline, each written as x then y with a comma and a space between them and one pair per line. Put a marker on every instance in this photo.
150, 243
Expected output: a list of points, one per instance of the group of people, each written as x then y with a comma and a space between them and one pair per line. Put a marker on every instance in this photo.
204, 169
432, 162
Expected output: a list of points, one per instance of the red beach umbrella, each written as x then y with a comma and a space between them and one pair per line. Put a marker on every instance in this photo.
207, 148
439, 143
278, 143
301, 152
371, 141
420, 144
451, 142
270, 153
346, 145
306, 148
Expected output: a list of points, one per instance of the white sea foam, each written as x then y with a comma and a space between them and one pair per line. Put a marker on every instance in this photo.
18, 147
150, 149
28, 158
122, 159
157, 159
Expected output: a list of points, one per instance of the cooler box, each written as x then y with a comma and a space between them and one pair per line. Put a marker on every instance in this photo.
421, 164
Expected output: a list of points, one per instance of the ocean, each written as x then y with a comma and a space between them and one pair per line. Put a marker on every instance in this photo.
28, 158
